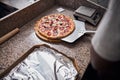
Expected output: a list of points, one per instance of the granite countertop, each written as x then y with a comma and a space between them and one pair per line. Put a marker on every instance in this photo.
14, 48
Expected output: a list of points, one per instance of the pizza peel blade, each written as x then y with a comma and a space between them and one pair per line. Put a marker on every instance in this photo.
77, 33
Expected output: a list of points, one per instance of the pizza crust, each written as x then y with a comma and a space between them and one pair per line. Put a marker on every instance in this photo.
50, 28
44, 38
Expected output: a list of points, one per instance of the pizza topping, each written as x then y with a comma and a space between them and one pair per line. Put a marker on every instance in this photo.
66, 30
42, 29
55, 32
49, 33
61, 28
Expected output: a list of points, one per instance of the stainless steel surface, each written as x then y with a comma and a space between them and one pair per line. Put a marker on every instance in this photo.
20, 4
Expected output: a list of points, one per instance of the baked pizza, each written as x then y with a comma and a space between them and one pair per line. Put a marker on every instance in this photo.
55, 26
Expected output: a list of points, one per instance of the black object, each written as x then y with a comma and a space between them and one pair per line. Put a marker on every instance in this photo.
88, 14
93, 20
6, 9
90, 74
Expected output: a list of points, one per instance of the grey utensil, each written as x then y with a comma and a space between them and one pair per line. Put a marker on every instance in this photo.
78, 32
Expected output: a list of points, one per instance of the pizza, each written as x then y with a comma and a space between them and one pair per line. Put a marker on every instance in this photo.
55, 26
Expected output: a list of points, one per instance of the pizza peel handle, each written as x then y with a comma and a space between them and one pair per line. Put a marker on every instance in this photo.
78, 32
88, 31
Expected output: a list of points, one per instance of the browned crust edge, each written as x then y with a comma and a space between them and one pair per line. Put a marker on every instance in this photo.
44, 38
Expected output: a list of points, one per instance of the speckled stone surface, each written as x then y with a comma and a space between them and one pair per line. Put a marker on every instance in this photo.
15, 47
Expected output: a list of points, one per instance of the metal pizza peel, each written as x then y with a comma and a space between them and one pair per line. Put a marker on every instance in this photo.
78, 32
